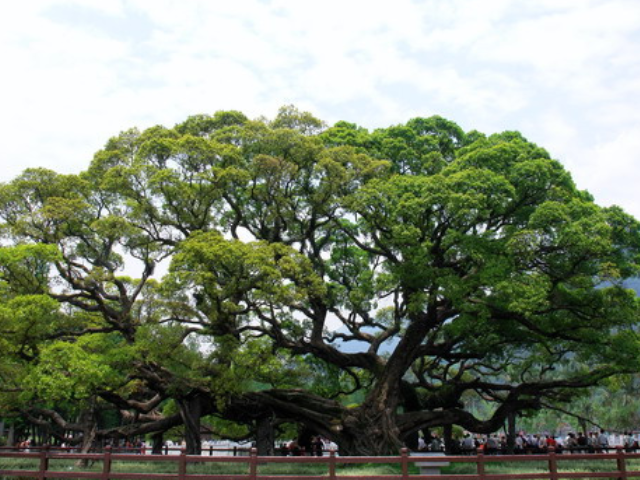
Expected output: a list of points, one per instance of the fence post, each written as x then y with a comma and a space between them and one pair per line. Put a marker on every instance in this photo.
44, 463
106, 463
622, 466
253, 464
332, 464
211, 450
404, 456
553, 464
480, 463
182, 464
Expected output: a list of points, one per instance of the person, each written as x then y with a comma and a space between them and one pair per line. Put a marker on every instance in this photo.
503, 444
435, 445
519, 444
317, 446
422, 446
592, 442
492, 444
603, 441
468, 445
295, 449
284, 450
571, 443
582, 442
550, 442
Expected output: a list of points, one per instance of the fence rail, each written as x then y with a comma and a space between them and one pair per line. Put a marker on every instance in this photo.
252, 462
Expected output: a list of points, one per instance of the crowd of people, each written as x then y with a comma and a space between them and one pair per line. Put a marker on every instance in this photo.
581, 442
315, 446
469, 444
494, 444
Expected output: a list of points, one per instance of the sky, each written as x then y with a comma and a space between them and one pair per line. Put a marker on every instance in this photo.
565, 73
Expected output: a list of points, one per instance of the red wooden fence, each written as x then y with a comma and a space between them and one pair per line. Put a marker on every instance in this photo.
45, 455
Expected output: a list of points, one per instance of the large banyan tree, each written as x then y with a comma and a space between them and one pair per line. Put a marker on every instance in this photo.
364, 285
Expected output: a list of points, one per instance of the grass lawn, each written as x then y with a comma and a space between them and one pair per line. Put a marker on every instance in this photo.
170, 466
565, 464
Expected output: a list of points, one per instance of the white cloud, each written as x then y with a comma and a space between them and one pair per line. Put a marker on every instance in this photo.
605, 170
565, 72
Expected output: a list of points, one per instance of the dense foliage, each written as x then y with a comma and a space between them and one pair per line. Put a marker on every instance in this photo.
364, 285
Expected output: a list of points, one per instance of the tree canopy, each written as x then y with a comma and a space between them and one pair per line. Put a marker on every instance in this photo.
364, 285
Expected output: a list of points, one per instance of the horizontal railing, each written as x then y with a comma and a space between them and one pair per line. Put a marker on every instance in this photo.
619, 459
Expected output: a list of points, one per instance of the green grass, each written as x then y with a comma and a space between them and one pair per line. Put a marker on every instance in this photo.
170, 467
219, 468
563, 465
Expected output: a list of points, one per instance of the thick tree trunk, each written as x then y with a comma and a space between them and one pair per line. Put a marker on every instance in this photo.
449, 446
511, 433
88, 436
369, 432
89, 424
411, 441
372, 428
265, 436
157, 442
191, 411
